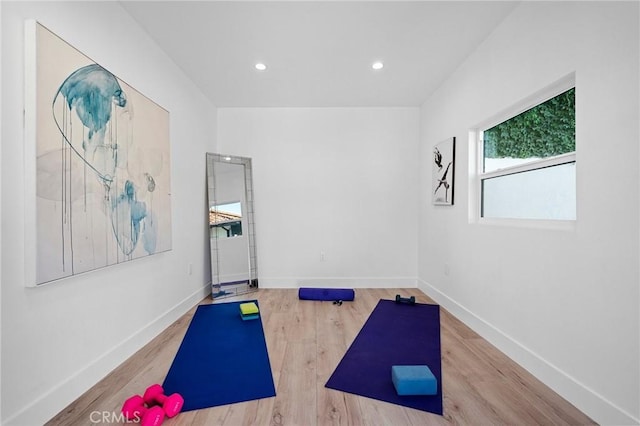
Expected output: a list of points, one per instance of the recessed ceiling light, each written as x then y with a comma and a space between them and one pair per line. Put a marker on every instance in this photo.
377, 65
260, 66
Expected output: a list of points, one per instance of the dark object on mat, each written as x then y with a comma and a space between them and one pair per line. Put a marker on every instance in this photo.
329, 294
392, 335
222, 360
408, 300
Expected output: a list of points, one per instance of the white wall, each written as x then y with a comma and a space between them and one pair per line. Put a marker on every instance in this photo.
1, 61
60, 339
342, 182
563, 303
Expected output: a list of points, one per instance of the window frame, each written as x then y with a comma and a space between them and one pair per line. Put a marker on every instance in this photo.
476, 138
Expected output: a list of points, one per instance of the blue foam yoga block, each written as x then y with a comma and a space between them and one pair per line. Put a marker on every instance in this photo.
249, 317
414, 380
308, 293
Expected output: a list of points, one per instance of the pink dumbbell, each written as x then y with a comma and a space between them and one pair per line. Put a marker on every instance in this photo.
134, 409
172, 404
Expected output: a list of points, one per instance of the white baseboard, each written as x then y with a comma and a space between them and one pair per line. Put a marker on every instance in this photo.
585, 399
338, 282
44, 407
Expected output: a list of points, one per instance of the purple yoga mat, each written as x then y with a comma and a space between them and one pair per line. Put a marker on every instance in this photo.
394, 334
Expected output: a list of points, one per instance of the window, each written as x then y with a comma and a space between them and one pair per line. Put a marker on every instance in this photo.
527, 162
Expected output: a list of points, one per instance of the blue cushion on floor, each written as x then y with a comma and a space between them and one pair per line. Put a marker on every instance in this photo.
330, 294
414, 380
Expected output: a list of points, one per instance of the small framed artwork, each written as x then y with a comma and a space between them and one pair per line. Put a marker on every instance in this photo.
443, 172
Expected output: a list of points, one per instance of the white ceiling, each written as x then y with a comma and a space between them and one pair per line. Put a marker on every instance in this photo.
318, 53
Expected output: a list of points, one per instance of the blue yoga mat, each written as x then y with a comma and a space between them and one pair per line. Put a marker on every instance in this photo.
221, 360
394, 334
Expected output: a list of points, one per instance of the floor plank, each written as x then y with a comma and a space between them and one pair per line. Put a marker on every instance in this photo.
306, 340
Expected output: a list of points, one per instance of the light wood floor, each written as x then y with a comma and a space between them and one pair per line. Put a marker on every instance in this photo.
306, 340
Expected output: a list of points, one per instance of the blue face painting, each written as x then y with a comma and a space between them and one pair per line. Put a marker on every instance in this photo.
92, 92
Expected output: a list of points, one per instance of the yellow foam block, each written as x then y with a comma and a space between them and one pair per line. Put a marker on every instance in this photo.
249, 308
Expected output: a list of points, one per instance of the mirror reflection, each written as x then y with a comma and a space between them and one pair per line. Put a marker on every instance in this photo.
226, 219
231, 225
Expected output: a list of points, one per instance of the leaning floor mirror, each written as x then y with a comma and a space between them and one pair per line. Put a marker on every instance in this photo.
231, 225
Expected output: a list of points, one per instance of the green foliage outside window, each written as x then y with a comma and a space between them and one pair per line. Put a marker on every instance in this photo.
543, 131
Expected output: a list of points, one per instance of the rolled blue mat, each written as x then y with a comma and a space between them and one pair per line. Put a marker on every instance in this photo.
344, 294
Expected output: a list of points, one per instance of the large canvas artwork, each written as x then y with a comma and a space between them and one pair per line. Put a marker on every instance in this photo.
443, 168
98, 156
